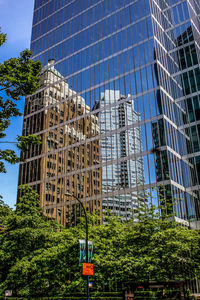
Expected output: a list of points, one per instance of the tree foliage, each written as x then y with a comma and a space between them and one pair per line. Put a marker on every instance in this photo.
18, 77
39, 257
2, 38
5, 211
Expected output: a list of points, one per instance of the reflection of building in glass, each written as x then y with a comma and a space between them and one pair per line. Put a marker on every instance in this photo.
185, 200
190, 75
131, 47
162, 168
59, 172
123, 167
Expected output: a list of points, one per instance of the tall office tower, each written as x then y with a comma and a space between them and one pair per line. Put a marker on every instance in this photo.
124, 55
126, 142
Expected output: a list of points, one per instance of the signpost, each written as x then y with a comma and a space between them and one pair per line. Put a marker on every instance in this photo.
88, 269
86, 231
86, 257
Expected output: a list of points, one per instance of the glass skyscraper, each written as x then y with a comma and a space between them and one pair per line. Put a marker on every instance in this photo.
118, 107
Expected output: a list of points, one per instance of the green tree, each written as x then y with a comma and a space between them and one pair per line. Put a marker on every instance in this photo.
150, 249
2, 38
34, 249
5, 212
27, 231
41, 258
18, 77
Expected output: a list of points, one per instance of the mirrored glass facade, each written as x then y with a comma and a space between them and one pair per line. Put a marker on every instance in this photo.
118, 108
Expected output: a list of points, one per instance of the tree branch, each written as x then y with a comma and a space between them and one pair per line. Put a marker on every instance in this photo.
6, 88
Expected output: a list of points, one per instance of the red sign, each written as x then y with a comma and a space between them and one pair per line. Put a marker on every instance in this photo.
88, 269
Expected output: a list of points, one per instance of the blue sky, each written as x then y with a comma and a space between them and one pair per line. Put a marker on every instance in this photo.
16, 21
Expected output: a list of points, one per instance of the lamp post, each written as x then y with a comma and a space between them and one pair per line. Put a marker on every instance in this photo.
86, 240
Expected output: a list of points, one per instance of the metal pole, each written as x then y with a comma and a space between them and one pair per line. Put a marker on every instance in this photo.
88, 290
86, 228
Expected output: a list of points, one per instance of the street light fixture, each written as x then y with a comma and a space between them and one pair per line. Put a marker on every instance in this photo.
86, 240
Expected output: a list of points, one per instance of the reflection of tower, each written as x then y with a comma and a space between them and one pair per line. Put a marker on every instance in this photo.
186, 79
190, 78
123, 167
159, 139
158, 134
55, 167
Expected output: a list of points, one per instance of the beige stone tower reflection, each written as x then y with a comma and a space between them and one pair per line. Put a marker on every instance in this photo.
68, 158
